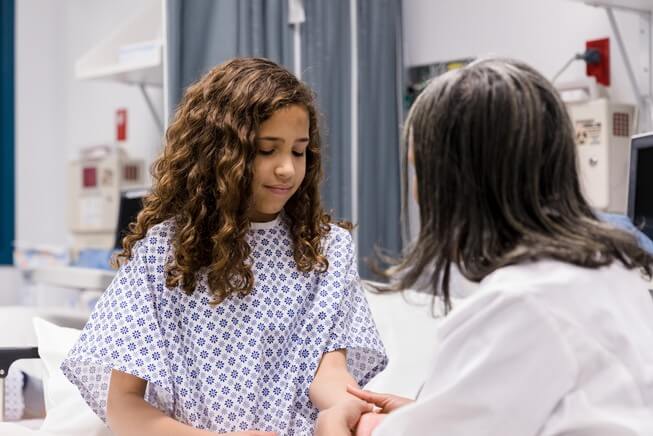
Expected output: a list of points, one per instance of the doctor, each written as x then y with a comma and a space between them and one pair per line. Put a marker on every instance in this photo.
558, 337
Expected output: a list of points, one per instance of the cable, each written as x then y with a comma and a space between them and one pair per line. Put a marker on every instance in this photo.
590, 56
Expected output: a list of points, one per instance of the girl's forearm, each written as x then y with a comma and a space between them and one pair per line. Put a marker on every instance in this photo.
329, 389
130, 414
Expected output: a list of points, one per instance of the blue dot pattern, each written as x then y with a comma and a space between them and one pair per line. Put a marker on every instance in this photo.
246, 363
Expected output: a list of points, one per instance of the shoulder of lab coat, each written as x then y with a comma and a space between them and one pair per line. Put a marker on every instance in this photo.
532, 335
500, 354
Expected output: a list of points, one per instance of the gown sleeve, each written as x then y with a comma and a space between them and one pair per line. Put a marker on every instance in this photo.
124, 331
352, 326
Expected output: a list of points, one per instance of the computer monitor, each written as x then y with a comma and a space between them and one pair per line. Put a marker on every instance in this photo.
131, 203
640, 183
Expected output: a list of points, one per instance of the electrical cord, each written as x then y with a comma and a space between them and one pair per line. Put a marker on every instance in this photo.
590, 56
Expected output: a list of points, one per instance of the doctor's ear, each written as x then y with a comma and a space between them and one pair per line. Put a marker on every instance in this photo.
410, 156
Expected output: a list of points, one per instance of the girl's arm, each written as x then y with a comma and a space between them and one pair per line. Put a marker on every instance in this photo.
339, 410
129, 414
331, 379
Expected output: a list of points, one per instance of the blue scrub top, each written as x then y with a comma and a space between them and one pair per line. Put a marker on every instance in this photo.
623, 222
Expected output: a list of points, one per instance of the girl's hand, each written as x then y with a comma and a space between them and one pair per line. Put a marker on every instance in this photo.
368, 423
386, 402
342, 418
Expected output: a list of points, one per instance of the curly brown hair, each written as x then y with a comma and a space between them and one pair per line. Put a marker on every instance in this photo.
206, 167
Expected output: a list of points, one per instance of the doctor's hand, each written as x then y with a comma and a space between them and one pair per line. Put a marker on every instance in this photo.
386, 402
368, 423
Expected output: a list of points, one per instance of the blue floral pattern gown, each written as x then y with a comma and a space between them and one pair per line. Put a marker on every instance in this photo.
246, 363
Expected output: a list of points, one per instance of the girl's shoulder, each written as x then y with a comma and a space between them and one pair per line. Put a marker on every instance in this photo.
337, 239
159, 236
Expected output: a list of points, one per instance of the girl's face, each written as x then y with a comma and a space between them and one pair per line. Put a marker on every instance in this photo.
280, 163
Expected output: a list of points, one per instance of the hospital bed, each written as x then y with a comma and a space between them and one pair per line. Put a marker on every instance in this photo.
405, 323
19, 346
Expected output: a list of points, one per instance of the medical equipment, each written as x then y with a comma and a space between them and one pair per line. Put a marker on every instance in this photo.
640, 183
603, 131
96, 181
419, 76
131, 203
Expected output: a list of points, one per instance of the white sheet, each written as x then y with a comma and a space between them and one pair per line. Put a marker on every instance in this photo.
22, 428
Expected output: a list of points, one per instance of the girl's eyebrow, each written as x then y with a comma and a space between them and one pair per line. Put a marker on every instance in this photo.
274, 138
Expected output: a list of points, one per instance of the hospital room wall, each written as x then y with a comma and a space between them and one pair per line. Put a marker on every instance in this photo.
544, 33
57, 115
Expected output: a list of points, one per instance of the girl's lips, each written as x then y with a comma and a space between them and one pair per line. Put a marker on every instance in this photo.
278, 190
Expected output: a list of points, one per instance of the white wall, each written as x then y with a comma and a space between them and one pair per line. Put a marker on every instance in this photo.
57, 115
40, 121
91, 105
543, 33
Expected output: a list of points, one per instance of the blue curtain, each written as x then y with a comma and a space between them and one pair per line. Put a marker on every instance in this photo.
326, 65
7, 182
205, 33
380, 104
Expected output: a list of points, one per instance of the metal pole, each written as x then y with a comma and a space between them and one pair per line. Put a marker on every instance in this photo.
296, 16
297, 48
622, 48
150, 105
2, 395
354, 116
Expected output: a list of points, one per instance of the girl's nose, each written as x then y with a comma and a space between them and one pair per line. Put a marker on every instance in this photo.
285, 169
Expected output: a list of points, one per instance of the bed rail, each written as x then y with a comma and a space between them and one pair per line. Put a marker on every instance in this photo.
7, 357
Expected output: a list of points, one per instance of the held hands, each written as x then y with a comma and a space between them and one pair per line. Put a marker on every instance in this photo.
385, 402
361, 414
368, 423
342, 418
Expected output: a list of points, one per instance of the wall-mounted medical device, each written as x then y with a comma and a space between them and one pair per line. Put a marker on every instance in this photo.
96, 181
603, 131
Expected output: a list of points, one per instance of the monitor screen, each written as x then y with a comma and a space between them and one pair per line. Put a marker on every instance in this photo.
131, 203
640, 186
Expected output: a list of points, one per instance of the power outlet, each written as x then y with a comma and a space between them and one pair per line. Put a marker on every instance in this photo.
601, 69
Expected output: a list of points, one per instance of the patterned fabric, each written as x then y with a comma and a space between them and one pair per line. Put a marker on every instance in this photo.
14, 401
246, 363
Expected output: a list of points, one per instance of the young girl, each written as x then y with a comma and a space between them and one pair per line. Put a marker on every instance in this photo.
557, 339
237, 305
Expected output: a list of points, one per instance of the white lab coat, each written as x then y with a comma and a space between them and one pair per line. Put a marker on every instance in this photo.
542, 349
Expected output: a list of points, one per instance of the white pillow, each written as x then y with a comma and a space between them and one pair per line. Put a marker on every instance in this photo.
67, 413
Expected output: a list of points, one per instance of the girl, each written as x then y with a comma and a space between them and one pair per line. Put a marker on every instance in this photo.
557, 338
237, 305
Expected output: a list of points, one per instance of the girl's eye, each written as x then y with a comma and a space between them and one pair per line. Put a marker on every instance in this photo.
265, 152
298, 153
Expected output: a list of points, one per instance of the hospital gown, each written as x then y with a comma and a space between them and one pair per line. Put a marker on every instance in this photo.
246, 363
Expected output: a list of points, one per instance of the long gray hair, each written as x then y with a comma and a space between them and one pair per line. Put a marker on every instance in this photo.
497, 180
